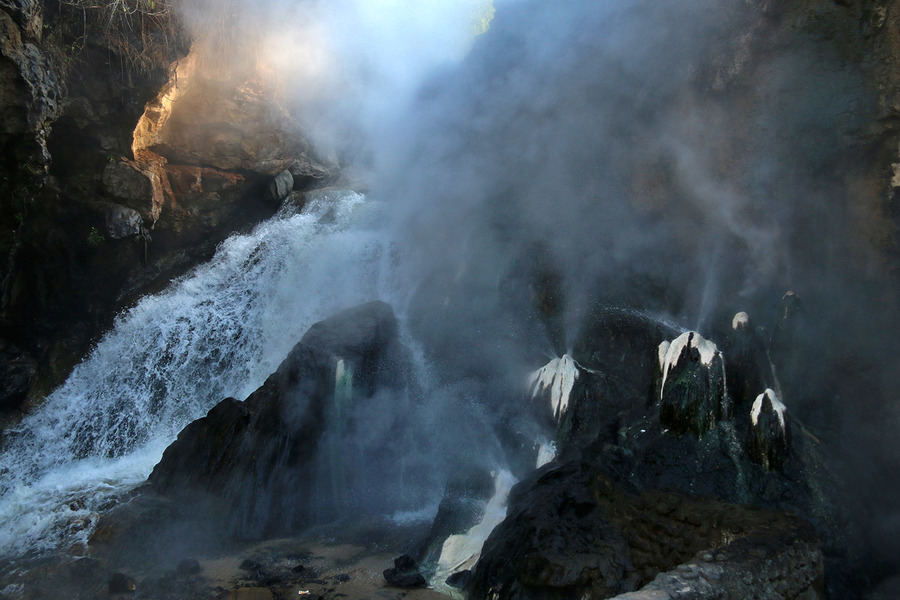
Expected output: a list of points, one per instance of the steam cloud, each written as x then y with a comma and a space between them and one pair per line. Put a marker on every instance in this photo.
642, 153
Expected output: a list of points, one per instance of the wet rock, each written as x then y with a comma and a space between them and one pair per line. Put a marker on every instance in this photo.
256, 459
573, 531
460, 579
405, 573
119, 583
462, 506
280, 186
122, 222
747, 366
768, 442
188, 567
692, 394
17, 374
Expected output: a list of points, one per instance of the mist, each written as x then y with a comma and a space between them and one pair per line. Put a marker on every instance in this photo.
527, 164
658, 156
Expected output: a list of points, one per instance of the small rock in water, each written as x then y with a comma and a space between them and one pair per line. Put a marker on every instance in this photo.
251, 593
119, 583
459, 579
342, 578
299, 556
250, 565
188, 567
405, 573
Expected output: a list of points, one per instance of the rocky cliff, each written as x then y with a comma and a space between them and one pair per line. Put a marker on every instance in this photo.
122, 166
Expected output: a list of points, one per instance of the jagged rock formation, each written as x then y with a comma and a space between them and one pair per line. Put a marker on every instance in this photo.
574, 532
748, 370
636, 504
258, 459
769, 439
692, 395
115, 177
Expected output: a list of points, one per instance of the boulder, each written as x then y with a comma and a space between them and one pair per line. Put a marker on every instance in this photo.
405, 573
769, 438
122, 222
580, 405
17, 375
257, 459
574, 532
128, 182
692, 394
280, 186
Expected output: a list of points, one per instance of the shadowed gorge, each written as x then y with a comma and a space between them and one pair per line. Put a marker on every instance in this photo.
508, 300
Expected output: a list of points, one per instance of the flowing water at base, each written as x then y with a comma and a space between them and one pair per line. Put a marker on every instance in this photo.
217, 332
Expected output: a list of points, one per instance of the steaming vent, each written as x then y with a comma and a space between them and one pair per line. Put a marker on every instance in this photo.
777, 406
740, 321
558, 376
670, 352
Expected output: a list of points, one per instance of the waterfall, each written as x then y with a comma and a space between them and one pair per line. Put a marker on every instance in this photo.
216, 332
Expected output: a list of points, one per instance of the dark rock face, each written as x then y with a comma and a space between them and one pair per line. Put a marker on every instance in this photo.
768, 442
692, 393
462, 506
646, 500
405, 573
747, 369
256, 459
17, 373
31, 88
572, 532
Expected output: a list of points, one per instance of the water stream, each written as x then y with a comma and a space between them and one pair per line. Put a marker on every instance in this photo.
217, 332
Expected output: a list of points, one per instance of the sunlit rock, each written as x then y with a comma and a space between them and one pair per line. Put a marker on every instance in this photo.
769, 439
692, 394
280, 186
226, 120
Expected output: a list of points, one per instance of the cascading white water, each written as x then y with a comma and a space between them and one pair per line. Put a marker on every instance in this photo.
216, 332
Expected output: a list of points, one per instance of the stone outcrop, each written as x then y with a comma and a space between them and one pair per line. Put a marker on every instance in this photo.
205, 118
692, 394
768, 442
32, 90
642, 504
574, 532
258, 460
748, 370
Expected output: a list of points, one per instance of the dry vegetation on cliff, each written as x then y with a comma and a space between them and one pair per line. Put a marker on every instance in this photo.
144, 34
